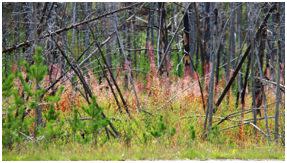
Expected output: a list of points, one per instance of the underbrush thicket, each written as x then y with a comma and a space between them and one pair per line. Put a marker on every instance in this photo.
176, 123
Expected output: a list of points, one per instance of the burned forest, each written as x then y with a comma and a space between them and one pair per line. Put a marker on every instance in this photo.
143, 80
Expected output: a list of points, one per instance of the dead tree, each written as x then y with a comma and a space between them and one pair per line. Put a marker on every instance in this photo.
240, 63
30, 29
210, 104
186, 44
278, 96
86, 87
164, 67
30, 42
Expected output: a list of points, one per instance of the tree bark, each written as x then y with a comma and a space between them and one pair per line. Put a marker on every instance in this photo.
278, 96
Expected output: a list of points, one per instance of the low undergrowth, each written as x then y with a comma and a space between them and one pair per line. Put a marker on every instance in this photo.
170, 125
154, 150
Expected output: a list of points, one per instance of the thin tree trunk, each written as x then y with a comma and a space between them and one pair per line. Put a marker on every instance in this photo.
108, 24
262, 95
159, 33
206, 39
192, 35
86, 87
30, 29
88, 7
38, 115
278, 96
74, 20
232, 45
251, 23
242, 95
163, 67
210, 104
239, 35
186, 44
16, 19
128, 68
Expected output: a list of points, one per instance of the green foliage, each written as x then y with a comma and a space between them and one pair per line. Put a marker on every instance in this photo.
191, 132
56, 97
95, 112
177, 69
214, 136
16, 125
7, 85
15, 107
84, 131
160, 128
75, 122
38, 70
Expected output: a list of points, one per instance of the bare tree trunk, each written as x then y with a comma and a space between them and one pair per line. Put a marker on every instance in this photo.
109, 29
239, 35
206, 38
128, 60
278, 96
152, 24
16, 17
282, 38
251, 23
64, 35
88, 7
242, 95
162, 42
134, 45
159, 33
231, 35
30, 29
221, 48
192, 35
186, 44
149, 27
200, 45
127, 64
38, 115
259, 88
210, 104
74, 20
174, 26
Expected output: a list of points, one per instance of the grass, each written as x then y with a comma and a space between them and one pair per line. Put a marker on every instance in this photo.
179, 115
115, 150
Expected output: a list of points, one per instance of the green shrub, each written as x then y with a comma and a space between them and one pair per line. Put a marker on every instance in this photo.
191, 132
16, 124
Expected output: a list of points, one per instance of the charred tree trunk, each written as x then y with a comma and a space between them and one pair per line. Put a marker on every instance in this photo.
186, 45
162, 42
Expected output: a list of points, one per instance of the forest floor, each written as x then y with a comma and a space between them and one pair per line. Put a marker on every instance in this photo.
153, 151
173, 132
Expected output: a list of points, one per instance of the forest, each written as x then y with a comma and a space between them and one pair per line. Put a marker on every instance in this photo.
143, 80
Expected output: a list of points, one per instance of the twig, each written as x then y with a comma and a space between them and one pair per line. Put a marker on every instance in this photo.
28, 43
247, 122
26, 136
